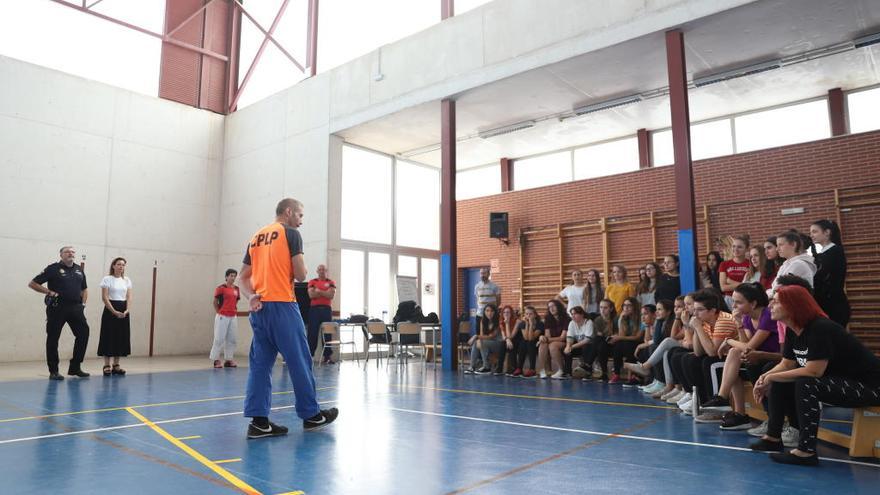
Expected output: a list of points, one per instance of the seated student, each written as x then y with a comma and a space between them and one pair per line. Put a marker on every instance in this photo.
552, 341
573, 295
668, 282
511, 337
731, 272
531, 328
709, 272
578, 342
623, 344
619, 288
647, 317
757, 272
487, 342
593, 293
662, 330
822, 363
682, 387
756, 332
771, 254
792, 245
604, 326
715, 326
648, 284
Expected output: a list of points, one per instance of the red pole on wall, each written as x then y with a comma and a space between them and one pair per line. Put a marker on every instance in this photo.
312, 40
153, 305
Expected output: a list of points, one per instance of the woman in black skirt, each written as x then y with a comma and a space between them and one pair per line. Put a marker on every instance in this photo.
115, 338
831, 274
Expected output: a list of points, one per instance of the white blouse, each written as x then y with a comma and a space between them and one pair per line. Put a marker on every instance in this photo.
116, 287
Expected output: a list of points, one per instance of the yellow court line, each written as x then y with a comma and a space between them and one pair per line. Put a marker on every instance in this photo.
298, 492
539, 397
238, 483
227, 461
193, 437
157, 404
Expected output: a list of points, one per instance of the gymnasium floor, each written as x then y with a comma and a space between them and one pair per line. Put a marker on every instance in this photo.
399, 431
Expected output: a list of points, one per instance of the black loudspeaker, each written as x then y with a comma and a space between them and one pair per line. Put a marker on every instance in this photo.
498, 225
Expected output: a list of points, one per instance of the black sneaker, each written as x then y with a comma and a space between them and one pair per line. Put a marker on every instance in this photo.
497, 373
735, 421
763, 445
469, 371
56, 376
483, 371
716, 403
320, 420
270, 430
789, 458
80, 373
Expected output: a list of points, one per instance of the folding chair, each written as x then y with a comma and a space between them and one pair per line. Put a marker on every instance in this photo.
376, 332
408, 335
335, 342
464, 335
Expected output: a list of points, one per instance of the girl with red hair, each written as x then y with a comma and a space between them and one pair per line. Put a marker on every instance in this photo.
821, 362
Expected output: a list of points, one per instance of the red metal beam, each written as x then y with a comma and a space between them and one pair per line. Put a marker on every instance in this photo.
644, 139
837, 112
259, 55
139, 29
681, 144
191, 17
447, 9
234, 50
506, 174
312, 40
268, 34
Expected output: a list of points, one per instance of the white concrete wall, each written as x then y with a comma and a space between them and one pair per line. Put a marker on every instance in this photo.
113, 173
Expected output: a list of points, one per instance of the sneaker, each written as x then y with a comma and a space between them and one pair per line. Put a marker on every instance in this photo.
497, 373
218, 364
517, 372
615, 379
717, 403
270, 430
659, 394
684, 398
674, 398
796, 460
790, 436
320, 420
483, 371
710, 417
758, 431
543, 375
657, 386
632, 382
637, 369
736, 422
687, 407
469, 371
529, 374
670, 393
559, 375
230, 364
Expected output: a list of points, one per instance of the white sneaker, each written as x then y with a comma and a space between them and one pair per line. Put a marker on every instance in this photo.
669, 394
543, 374
687, 407
643, 387
674, 398
684, 398
790, 436
758, 431
655, 387
559, 375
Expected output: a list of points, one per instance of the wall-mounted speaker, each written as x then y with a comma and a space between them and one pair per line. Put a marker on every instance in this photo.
498, 225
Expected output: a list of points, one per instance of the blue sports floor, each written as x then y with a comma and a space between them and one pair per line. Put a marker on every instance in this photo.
399, 431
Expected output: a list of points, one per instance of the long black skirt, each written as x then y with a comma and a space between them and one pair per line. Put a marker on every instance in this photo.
115, 332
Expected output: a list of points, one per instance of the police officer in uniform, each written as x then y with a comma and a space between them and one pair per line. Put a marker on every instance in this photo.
66, 297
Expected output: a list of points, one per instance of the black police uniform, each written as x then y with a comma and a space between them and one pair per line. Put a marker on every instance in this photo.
68, 283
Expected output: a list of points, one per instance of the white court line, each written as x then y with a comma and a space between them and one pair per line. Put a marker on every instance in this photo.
136, 425
606, 434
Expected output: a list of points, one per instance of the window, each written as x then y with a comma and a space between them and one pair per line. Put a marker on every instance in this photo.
351, 283
407, 266
542, 170
476, 182
366, 196
418, 206
862, 107
782, 126
708, 140
430, 285
613, 157
379, 281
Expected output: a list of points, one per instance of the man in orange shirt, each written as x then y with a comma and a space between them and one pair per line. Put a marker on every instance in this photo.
274, 259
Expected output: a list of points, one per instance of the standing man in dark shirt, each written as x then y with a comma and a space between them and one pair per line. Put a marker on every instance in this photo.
322, 290
66, 297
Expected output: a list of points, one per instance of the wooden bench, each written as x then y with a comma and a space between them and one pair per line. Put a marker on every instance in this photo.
864, 441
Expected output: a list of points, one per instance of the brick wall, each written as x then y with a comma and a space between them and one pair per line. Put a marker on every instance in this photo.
745, 193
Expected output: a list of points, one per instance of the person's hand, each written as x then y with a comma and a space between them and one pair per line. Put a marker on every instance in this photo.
509, 344
613, 339
119, 314
762, 386
724, 348
567, 349
472, 340
255, 303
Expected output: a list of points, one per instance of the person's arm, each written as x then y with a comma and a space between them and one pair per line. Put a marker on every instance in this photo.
727, 284
41, 289
697, 343
105, 297
127, 300
215, 302
762, 384
299, 267
246, 286
677, 331
313, 292
85, 296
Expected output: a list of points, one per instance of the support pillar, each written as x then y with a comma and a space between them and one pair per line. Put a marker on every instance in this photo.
837, 112
684, 173
644, 140
506, 174
448, 233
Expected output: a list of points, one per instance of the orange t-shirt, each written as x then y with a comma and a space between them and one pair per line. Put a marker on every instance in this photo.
269, 256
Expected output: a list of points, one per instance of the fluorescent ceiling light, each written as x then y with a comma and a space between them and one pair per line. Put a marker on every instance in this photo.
868, 40
519, 126
738, 72
420, 151
604, 105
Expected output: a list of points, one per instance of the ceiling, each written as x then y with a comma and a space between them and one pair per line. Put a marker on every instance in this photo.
756, 32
